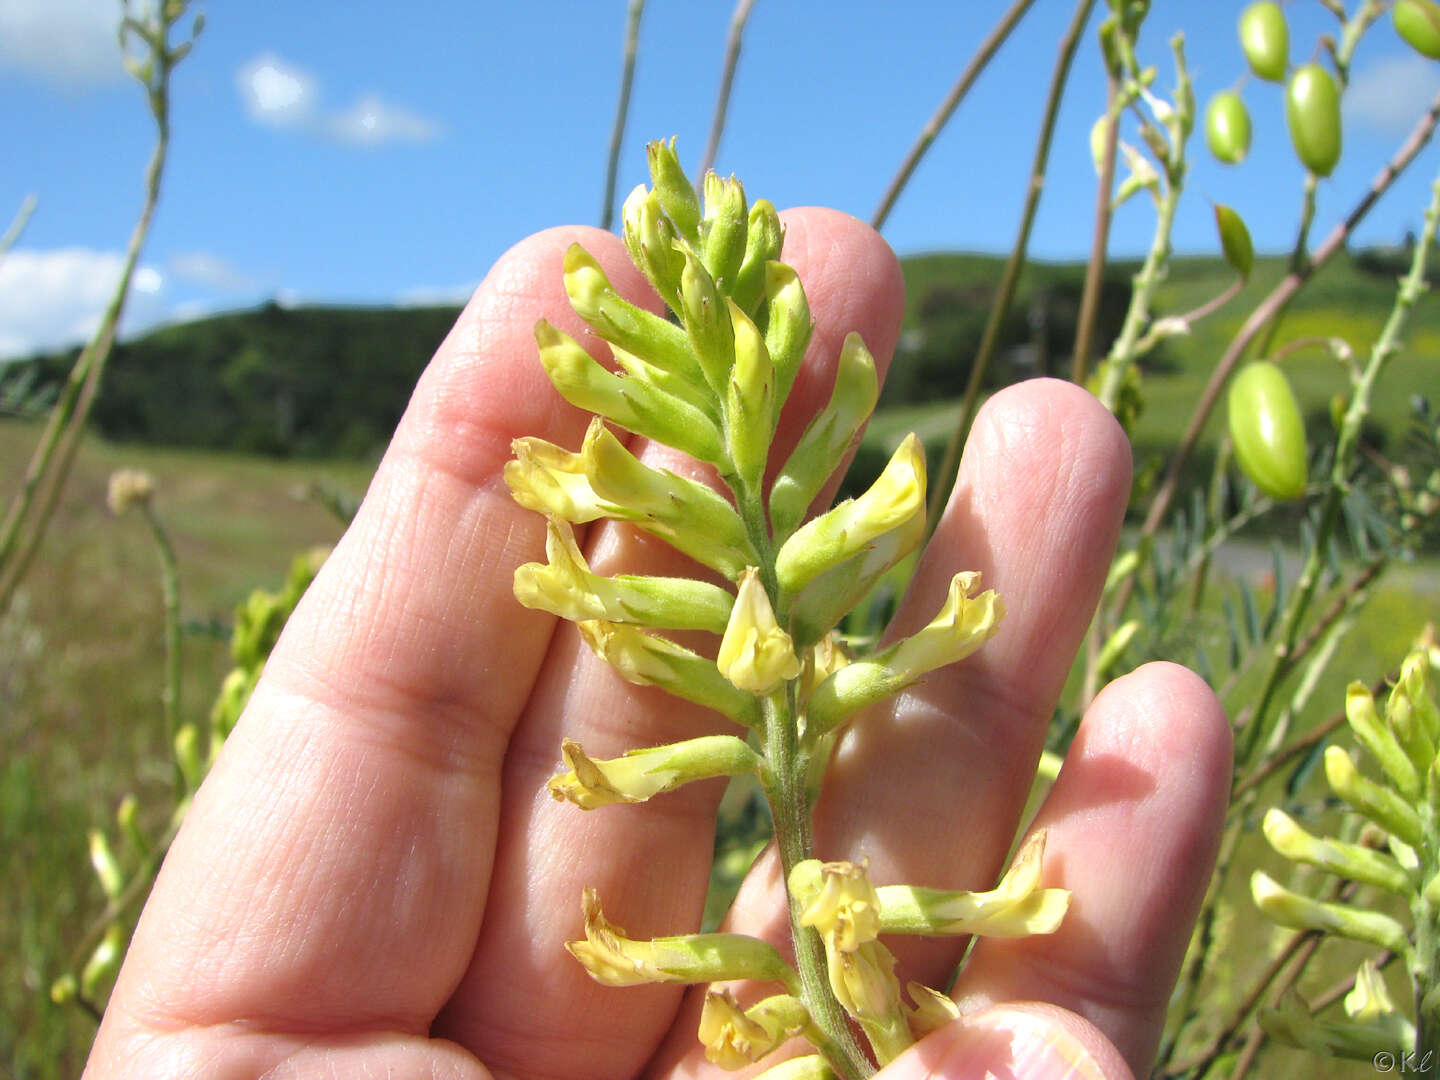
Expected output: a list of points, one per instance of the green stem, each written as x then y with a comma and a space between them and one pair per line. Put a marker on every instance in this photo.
738, 18
622, 110
785, 787
26, 519
1006, 292
170, 590
1385, 347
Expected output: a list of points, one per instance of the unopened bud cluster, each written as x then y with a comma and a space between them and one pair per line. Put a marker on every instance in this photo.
711, 383
1397, 852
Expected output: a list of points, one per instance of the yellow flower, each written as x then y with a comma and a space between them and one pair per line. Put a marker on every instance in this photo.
550, 480
1017, 907
613, 959
641, 774
840, 903
735, 1037
932, 1009
896, 497
755, 653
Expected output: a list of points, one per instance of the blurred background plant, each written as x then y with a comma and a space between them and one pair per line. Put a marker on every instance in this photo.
1283, 543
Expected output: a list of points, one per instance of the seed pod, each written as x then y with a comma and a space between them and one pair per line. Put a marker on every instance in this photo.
1235, 240
1312, 110
1267, 431
1418, 22
1265, 39
1227, 127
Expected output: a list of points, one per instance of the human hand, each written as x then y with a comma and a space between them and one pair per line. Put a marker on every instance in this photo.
375, 881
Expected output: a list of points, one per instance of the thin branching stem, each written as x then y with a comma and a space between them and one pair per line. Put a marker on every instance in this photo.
1385, 347
1005, 294
931, 131
1100, 239
32, 506
18, 223
1263, 312
733, 40
622, 110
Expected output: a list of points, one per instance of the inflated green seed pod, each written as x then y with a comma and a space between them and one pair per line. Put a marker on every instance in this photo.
1267, 431
1235, 240
1312, 110
1227, 127
1418, 22
1265, 40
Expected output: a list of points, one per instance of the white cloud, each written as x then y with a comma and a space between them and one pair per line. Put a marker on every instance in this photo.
275, 93
210, 270
278, 94
1390, 96
436, 295
372, 121
71, 43
52, 299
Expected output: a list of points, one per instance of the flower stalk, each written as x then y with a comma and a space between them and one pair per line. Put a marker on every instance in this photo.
712, 384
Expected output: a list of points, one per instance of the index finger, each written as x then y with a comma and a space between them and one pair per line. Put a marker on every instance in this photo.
314, 885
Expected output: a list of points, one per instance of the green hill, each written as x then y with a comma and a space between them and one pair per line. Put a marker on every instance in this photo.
333, 381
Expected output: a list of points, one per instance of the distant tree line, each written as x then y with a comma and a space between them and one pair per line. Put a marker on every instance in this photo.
333, 381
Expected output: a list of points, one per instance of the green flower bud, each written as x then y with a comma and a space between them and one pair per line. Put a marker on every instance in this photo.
1017, 907
1300, 912
1265, 40
1418, 22
1312, 110
187, 756
642, 774
1235, 240
632, 404
1267, 430
1380, 740
657, 341
749, 401
809, 1067
104, 962
107, 867
1350, 861
832, 595
764, 239
1293, 1025
674, 190
1400, 715
651, 241
688, 516
1415, 678
1379, 804
565, 586
787, 327
1227, 127
613, 959
651, 660
723, 229
827, 438
896, 497
706, 317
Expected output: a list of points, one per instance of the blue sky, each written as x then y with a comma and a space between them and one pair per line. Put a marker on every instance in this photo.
372, 152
